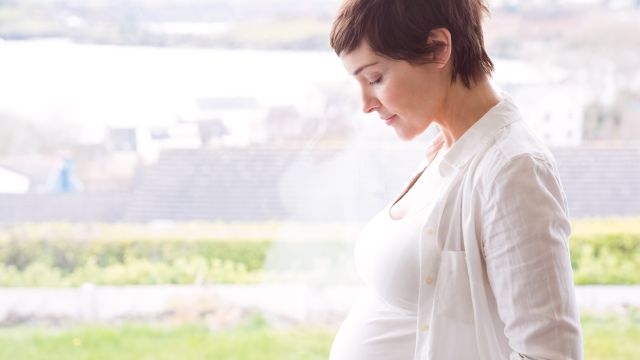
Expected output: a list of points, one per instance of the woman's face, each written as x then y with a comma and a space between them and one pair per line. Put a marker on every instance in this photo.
407, 97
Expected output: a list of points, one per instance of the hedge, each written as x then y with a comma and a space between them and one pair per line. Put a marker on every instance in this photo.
603, 251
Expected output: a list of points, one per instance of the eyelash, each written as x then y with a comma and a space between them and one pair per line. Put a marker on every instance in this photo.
377, 81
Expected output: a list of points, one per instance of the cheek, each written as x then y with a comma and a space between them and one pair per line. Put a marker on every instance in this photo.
394, 98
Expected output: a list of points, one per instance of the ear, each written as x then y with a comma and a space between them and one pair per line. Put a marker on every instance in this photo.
440, 38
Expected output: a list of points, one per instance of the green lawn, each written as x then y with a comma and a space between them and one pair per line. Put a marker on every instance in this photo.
147, 342
609, 338
605, 338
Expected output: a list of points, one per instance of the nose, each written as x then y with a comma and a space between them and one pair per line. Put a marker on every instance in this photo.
369, 103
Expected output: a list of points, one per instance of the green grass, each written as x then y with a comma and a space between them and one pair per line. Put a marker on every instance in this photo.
606, 337
142, 342
609, 337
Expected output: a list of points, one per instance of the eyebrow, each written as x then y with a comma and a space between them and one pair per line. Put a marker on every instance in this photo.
358, 70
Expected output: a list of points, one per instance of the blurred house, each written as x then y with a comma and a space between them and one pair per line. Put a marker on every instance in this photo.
41, 190
616, 123
264, 183
13, 182
228, 121
550, 101
231, 159
36, 171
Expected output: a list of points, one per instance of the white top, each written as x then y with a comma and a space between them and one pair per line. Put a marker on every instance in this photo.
503, 288
381, 325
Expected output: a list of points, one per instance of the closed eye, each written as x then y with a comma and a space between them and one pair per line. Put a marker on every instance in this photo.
376, 81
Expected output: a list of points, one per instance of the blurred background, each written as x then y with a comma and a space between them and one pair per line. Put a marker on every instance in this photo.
187, 179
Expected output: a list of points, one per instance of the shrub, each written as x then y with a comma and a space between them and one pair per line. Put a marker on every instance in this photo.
603, 251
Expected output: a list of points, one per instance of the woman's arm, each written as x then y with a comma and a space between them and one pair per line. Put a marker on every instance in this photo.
524, 235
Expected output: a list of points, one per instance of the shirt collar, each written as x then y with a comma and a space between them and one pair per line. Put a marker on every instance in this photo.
485, 129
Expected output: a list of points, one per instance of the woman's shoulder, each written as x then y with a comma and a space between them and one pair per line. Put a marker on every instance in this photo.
515, 144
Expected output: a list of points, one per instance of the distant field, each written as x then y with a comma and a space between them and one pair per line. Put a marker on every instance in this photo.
606, 338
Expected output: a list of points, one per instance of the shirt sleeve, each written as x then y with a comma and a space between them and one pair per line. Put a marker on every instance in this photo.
524, 232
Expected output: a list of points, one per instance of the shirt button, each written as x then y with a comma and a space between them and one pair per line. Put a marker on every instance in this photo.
428, 279
424, 327
430, 231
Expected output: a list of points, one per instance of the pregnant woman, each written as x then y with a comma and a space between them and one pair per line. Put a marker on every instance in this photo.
471, 260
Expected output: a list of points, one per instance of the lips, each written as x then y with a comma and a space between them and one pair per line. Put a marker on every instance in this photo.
390, 119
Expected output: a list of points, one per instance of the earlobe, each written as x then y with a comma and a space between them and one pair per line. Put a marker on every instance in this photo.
440, 39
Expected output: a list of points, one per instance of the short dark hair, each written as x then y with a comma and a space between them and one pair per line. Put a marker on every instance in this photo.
398, 29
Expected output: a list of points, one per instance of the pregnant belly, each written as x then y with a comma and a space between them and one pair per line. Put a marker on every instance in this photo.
375, 330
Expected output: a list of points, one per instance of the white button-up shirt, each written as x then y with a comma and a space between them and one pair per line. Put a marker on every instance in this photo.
503, 288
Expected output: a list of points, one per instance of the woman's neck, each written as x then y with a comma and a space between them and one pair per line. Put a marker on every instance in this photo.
464, 107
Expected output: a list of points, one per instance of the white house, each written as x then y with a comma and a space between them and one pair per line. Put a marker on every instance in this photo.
13, 182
